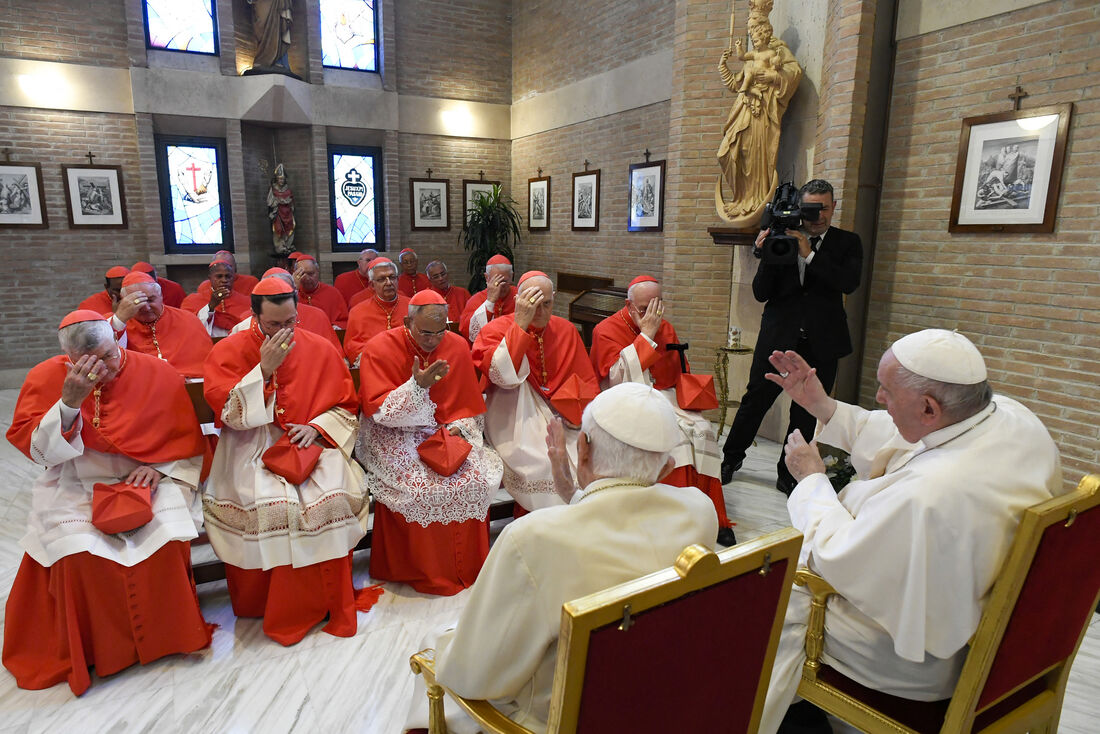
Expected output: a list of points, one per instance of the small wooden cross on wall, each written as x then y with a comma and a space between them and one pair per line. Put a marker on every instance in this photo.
1016, 96
429, 173
539, 174
586, 164
90, 157
481, 175
647, 154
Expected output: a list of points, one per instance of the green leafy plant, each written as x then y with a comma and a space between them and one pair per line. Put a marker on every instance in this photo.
492, 228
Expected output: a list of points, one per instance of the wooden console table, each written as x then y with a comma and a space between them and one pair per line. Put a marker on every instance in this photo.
721, 378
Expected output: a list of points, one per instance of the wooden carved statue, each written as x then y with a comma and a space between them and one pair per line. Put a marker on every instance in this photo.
280, 210
768, 79
271, 20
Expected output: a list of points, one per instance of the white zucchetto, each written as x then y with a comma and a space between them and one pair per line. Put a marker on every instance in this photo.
943, 355
637, 415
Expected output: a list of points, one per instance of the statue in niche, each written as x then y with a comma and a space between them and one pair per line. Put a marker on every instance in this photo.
768, 79
271, 20
280, 210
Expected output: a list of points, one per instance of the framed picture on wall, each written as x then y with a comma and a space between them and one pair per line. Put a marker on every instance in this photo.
538, 203
22, 203
586, 200
1009, 171
471, 190
95, 197
647, 197
428, 203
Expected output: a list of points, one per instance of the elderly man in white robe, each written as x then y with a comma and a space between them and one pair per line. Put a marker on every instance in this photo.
622, 525
914, 544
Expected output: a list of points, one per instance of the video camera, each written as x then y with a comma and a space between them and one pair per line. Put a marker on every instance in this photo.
785, 211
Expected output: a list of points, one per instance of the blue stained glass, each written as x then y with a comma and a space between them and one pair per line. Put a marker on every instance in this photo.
181, 25
353, 184
347, 34
196, 200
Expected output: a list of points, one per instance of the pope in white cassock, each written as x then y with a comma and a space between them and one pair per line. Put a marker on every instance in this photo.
913, 545
622, 525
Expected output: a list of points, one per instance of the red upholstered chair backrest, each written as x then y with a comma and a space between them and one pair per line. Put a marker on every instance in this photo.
1054, 604
691, 664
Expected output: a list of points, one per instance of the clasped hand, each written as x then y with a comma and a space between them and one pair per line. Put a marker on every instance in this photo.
433, 373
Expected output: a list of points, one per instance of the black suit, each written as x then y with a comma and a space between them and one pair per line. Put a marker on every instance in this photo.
807, 317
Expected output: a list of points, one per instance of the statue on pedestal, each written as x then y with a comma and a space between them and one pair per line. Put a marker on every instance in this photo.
750, 140
280, 210
271, 21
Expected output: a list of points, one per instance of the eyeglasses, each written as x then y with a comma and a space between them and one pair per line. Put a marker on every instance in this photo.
439, 333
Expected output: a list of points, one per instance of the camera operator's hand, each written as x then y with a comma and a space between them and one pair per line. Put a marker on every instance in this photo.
760, 239
804, 248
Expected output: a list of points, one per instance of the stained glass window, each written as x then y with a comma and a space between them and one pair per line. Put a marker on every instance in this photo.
192, 178
181, 25
356, 189
348, 38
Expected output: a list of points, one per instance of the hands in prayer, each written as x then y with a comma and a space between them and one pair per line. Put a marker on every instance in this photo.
559, 460
649, 321
81, 379
128, 307
302, 435
274, 350
497, 288
144, 476
803, 459
799, 380
433, 373
217, 295
527, 301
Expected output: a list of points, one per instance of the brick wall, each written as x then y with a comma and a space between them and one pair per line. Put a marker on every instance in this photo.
61, 30
1027, 300
52, 270
454, 159
460, 50
610, 144
557, 43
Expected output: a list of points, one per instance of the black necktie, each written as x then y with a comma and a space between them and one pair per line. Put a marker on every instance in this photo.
814, 242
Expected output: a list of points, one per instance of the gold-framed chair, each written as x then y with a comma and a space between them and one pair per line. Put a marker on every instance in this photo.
639, 656
1014, 677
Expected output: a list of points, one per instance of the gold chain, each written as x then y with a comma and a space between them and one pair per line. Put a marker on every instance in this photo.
542, 358
153, 327
95, 418
589, 493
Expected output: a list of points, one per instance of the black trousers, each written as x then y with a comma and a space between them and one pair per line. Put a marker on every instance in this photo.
759, 396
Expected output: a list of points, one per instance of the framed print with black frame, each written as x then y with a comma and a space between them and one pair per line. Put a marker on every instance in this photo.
428, 203
95, 197
22, 201
586, 200
646, 184
1009, 171
355, 190
538, 203
193, 178
471, 190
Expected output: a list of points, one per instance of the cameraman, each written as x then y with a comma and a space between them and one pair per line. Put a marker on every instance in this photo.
803, 311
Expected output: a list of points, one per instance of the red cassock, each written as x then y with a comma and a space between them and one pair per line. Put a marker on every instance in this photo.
370, 317
617, 332
329, 300
85, 610
351, 283
314, 319
173, 293
505, 307
457, 298
443, 557
310, 381
554, 352
234, 309
99, 302
177, 337
243, 284
410, 286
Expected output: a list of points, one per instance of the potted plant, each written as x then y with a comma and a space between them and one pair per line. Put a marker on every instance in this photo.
492, 228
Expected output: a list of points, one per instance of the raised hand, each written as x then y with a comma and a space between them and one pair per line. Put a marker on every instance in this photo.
80, 379
274, 350
128, 306
799, 380
651, 320
527, 301
433, 373
497, 290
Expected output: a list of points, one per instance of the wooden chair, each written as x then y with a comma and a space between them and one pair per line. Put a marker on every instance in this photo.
638, 657
1015, 674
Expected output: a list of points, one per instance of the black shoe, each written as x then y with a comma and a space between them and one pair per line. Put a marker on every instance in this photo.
726, 537
728, 469
786, 485
805, 718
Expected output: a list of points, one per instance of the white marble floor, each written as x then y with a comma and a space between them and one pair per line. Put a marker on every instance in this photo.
244, 682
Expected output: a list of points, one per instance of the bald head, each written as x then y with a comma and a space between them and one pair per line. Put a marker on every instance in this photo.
545, 309
640, 294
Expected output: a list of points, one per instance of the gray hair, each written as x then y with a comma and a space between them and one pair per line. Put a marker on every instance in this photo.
958, 402
387, 264
613, 458
630, 290
816, 186
488, 268
84, 337
414, 309
433, 263
128, 289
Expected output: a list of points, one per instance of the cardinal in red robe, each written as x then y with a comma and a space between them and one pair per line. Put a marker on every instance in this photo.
632, 346
310, 318
431, 528
104, 301
243, 283
222, 307
313, 292
456, 296
284, 503
171, 292
84, 597
498, 299
384, 308
144, 324
355, 281
410, 281
528, 358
